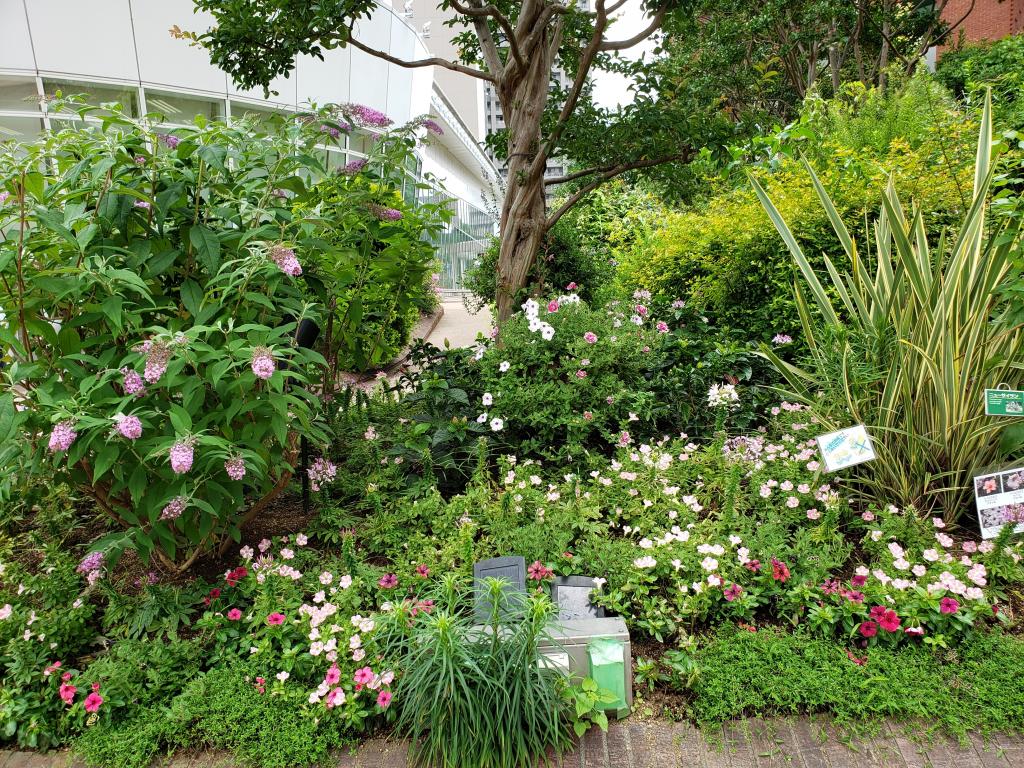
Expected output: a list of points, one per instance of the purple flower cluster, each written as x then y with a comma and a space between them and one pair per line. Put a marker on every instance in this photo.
369, 116
262, 363
62, 436
321, 473
170, 141
285, 260
352, 167
433, 127
157, 355
384, 213
91, 567
3, 197
182, 454
174, 508
235, 467
133, 384
128, 426
330, 129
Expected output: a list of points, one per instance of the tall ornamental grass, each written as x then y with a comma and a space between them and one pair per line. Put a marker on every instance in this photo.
917, 335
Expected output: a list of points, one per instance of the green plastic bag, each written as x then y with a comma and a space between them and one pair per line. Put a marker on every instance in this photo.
607, 662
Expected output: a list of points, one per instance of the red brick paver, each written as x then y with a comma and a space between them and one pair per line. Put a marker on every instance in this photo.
776, 743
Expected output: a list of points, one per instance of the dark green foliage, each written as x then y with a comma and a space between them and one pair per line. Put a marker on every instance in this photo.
976, 687
969, 70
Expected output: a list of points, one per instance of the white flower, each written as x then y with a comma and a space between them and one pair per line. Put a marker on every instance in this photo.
547, 331
345, 582
5, 612
482, 418
645, 562
599, 582
246, 553
282, 675
723, 395
487, 399
301, 539
497, 425
326, 577
505, 365
709, 563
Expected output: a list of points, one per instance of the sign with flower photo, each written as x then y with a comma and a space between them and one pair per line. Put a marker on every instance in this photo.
1000, 500
846, 448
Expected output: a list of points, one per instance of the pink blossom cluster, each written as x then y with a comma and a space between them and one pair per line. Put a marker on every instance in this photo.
262, 363
62, 436
321, 473
174, 508
285, 259
182, 454
129, 427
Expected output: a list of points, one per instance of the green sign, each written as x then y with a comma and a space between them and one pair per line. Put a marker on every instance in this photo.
1004, 402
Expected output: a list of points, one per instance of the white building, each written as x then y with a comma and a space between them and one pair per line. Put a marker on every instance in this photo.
122, 50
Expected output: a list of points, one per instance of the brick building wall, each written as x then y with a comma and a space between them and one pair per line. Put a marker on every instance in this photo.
987, 20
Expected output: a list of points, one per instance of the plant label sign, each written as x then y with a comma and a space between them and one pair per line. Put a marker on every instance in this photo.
846, 448
1004, 402
1000, 501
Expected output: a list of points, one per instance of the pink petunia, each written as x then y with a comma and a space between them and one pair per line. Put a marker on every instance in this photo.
234, 614
275, 619
92, 702
363, 675
384, 699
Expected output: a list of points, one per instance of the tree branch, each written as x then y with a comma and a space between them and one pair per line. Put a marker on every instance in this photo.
577, 175
621, 45
610, 173
432, 62
484, 11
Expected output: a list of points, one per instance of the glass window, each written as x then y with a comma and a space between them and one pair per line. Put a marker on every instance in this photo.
20, 128
360, 141
95, 94
18, 93
260, 114
179, 109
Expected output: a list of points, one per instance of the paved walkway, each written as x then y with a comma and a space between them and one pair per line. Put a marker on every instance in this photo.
459, 326
791, 743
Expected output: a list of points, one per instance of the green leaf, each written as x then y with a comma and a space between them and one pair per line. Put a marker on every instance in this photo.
191, 296
207, 246
104, 461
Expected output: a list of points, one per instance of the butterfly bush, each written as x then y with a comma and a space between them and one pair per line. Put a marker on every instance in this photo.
153, 350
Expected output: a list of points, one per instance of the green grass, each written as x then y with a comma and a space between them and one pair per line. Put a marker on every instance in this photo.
975, 687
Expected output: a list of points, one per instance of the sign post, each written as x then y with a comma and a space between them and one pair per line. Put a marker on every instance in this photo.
846, 448
1003, 401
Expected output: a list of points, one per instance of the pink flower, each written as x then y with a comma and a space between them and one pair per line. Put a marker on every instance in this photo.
733, 592
581, 374
384, 699
128, 426
588, 416
363, 675
869, 629
335, 698
174, 508
234, 614
333, 675
858, 580
780, 572
571, 286
662, 326
948, 605
262, 363
388, 581
321, 473
422, 571
538, 571
92, 702
235, 467
62, 436
275, 619
133, 384
889, 621
67, 693
590, 337
285, 260
553, 305
182, 454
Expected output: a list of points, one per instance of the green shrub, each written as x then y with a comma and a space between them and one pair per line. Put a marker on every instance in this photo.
970, 69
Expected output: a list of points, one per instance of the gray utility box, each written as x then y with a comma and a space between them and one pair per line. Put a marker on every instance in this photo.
566, 649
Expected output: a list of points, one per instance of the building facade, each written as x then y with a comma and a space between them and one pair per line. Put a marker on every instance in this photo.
982, 20
123, 50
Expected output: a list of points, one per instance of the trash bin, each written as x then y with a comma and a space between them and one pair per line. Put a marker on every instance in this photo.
607, 668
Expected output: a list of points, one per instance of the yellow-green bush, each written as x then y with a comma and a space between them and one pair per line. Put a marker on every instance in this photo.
726, 258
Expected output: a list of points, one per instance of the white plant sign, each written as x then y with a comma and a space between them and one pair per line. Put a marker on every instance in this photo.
846, 448
999, 497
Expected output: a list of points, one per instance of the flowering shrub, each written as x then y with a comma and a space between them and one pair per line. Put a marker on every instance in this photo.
158, 302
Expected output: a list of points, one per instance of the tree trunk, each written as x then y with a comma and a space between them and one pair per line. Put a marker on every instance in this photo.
524, 210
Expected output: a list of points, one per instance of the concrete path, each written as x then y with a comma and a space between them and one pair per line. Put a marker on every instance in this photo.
459, 326
790, 743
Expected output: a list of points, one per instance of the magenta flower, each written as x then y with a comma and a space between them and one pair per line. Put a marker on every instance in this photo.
868, 628
92, 702
388, 581
662, 326
433, 127
352, 167
275, 619
62, 436
262, 363
333, 675
733, 592
182, 454
234, 614
581, 374
553, 305
128, 426
235, 467
538, 571
422, 571
571, 286
590, 337
67, 693
133, 384
948, 605
286, 260
170, 141
384, 213
158, 355
363, 675
174, 508
384, 699
369, 116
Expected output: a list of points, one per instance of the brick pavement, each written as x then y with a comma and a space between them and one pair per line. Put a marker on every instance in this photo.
778, 743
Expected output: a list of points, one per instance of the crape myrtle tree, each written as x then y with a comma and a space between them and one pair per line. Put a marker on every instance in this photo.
515, 45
